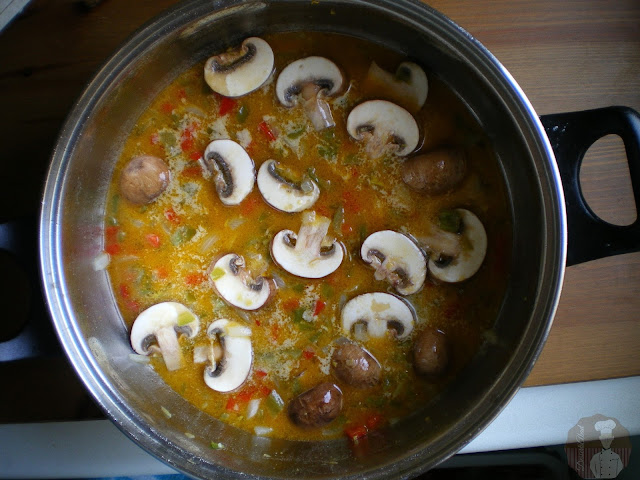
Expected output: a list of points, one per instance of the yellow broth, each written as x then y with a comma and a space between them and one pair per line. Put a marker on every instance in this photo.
162, 251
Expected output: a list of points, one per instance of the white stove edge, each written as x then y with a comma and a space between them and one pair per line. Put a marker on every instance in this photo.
536, 416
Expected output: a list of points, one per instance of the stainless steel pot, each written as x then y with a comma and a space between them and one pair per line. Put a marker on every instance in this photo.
82, 304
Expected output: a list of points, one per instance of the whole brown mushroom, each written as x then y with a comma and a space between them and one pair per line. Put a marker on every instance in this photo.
355, 366
436, 172
143, 179
317, 406
431, 352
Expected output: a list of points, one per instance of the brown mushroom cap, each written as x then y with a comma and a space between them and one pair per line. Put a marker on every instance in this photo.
435, 172
143, 179
431, 352
355, 366
317, 406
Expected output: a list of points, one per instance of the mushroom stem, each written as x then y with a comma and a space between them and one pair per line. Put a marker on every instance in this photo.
316, 107
170, 348
313, 230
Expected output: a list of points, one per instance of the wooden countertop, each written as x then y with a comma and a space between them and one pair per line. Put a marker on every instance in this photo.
566, 56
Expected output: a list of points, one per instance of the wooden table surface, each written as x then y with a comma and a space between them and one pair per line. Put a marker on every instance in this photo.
566, 55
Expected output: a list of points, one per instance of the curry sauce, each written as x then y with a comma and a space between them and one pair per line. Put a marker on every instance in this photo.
162, 251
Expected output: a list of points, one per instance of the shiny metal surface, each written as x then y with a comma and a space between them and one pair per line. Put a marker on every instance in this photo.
82, 304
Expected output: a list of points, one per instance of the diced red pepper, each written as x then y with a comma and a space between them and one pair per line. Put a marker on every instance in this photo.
275, 331
133, 305
264, 391
166, 107
291, 304
374, 421
162, 272
320, 304
186, 144
249, 205
351, 204
266, 130
246, 394
112, 249
125, 291
153, 240
195, 156
355, 432
111, 233
346, 229
226, 105
171, 215
192, 171
261, 373
258, 323
232, 404
354, 172
308, 354
193, 279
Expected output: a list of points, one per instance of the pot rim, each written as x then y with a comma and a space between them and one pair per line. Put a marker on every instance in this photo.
52, 257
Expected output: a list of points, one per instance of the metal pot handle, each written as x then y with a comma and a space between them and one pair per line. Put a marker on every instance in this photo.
31, 334
571, 134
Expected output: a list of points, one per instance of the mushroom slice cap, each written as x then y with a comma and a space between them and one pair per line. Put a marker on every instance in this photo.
384, 124
396, 258
468, 261
242, 70
162, 323
318, 71
283, 194
234, 170
303, 254
230, 371
235, 285
408, 85
380, 312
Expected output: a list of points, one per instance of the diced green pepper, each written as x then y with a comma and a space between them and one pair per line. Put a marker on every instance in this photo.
217, 273
184, 318
243, 113
217, 446
274, 402
352, 159
182, 234
338, 218
450, 221
167, 138
296, 133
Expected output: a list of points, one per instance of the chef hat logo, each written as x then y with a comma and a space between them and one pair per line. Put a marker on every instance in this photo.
605, 427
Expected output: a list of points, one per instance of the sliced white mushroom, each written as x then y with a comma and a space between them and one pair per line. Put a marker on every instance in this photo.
309, 254
235, 285
233, 168
314, 79
385, 127
379, 312
397, 259
407, 87
157, 328
232, 366
240, 71
465, 258
285, 194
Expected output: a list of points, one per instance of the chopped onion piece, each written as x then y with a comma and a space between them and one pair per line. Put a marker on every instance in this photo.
208, 242
253, 406
200, 354
360, 332
166, 412
262, 430
134, 357
101, 261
